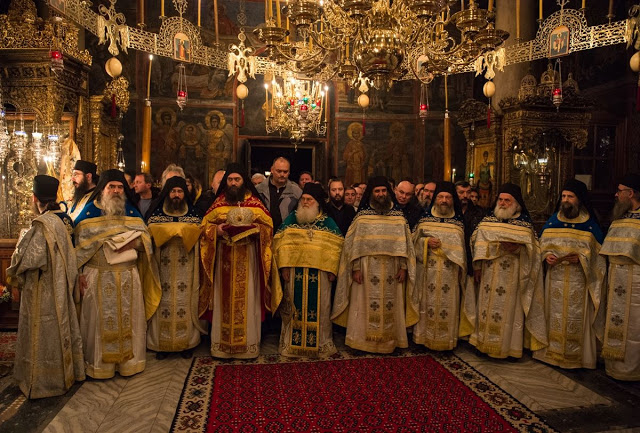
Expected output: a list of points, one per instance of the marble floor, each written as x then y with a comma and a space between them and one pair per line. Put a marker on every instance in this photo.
570, 401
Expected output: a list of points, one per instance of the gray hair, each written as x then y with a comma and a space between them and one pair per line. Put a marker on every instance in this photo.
172, 168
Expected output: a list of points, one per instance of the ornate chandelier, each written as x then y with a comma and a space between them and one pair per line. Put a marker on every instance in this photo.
382, 40
297, 106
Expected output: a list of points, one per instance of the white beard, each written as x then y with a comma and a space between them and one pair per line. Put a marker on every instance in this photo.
505, 214
307, 215
112, 205
443, 210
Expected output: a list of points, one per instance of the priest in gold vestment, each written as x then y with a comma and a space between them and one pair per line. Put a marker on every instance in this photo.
509, 309
49, 346
375, 297
236, 256
621, 348
306, 251
440, 269
175, 228
570, 243
114, 253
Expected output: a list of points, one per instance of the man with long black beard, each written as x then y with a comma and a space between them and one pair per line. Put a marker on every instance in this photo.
84, 183
375, 298
307, 250
621, 347
507, 270
570, 242
114, 254
337, 209
175, 228
236, 256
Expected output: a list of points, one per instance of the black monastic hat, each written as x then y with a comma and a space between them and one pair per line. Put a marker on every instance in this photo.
45, 188
86, 167
632, 180
317, 192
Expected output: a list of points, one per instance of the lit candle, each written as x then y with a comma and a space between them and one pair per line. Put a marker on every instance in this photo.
326, 103
278, 13
149, 77
270, 9
199, 10
161, 8
540, 10
347, 43
517, 19
215, 18
584, 2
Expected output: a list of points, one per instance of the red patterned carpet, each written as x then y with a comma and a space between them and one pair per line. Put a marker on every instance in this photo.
7, 347
372, 393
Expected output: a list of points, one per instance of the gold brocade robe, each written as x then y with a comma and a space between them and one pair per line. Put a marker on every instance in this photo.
311, 252
621, 348
119, 297
509, 308
573, 294
237, 269
440, 280
376, 312
175, 326
49, 346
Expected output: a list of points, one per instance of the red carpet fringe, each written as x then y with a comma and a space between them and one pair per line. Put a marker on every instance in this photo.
432, 393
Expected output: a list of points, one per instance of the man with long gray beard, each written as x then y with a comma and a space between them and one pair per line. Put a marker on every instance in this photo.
621, 348
441, 270
375, 297
570, 243
307, 251
175, 227
118, 280
509, 311
84, 183
236, 256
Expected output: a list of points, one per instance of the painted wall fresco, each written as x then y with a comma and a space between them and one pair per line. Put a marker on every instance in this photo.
386, 148
200, 139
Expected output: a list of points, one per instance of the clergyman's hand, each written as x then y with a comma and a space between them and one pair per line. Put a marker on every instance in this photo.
572, 258
510, 247
402, 275
477, 275
331, 277
357, 276
220, 229
551, 260
82, 283
286, 274
434, 243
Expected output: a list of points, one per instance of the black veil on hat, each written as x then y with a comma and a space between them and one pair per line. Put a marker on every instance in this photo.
516, 192
112, 175
318, 193
631, 180
45, 188
236, 167
374, 182
444, 186
172, 182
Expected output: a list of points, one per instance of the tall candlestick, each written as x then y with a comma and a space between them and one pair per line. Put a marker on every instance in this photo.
540, 10
199, 10
326, 104
347, 43
161, 8
584, 2
446, 93
278, 13
270, 9
266, 101
610, 9
490, 5
461, 5
266, 11
141, 3
149, 77
517, 19
215, 19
